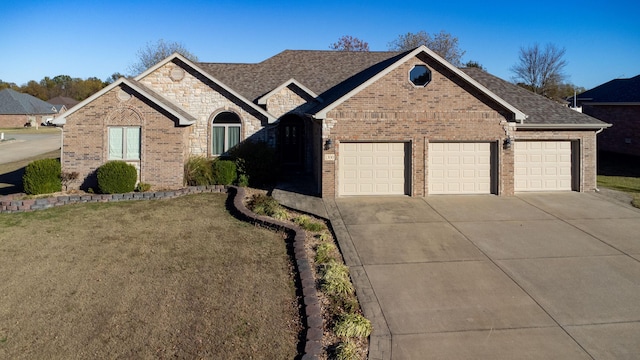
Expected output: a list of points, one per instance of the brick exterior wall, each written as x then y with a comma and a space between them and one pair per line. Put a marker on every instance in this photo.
85, 145
203, 99
626, 125
18, 121
393, 109
13, 121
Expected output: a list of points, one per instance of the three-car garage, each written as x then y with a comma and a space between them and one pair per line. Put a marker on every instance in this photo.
384, 168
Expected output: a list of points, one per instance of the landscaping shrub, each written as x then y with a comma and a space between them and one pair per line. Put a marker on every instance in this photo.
262, 204
143, 187
335, 280
306, 223
42, 177
117, 177
257, 161
353, 325
347, 350
224, 172
198, 171
324, 253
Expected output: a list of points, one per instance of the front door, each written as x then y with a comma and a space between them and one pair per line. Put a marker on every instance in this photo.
292, 143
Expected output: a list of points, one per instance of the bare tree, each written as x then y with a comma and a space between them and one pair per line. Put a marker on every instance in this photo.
153, 53
349, 43
442, 43
540, 69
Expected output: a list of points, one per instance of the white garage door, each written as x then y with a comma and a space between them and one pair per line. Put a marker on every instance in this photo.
542, 165
459, 168
372, 169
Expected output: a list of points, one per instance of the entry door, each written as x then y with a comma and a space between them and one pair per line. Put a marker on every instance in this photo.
291, 142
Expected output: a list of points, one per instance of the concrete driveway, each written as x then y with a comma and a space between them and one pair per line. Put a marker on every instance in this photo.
535, 276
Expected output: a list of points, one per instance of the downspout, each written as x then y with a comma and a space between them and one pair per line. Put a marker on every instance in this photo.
596, 140
61, 143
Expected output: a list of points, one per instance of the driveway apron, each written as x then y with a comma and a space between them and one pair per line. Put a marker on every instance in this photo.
535, 276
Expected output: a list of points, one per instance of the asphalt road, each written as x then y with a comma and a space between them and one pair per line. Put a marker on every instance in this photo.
27, 145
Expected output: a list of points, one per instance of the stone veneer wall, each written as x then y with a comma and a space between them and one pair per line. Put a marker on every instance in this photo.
203, 100
393, 109
288, 99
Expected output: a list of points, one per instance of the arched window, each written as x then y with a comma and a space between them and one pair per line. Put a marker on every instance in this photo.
225, 132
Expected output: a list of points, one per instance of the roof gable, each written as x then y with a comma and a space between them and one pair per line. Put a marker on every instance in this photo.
386, 67
183, 117
194, 66
263, 99
16, 103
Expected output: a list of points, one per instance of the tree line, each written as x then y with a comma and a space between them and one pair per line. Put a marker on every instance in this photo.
539, 69
61, 85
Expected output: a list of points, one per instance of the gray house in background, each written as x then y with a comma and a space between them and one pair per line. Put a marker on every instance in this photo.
18, 109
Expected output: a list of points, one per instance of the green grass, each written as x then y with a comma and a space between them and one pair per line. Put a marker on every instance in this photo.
31, 130
11, 173
630, 185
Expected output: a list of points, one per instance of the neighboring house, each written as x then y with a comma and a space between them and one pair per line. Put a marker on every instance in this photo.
360, 123
63, 103
18, 109
618, 103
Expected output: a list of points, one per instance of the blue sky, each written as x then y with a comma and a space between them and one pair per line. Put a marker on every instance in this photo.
98, 38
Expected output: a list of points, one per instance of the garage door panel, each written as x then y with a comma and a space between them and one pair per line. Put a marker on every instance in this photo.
374, 168
543, 165
460, 168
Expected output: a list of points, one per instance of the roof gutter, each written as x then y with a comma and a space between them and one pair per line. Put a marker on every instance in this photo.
562, 126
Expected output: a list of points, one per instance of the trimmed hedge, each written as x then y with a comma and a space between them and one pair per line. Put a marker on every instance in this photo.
224, 172
42, 177
117, 177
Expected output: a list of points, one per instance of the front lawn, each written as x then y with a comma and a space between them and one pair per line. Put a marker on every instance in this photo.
176, 278
620, 172
630, 185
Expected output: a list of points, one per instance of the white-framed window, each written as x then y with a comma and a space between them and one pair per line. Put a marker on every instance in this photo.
124, 143
225, 132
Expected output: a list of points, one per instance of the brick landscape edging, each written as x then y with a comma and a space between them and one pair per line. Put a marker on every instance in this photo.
312, 310
9, 203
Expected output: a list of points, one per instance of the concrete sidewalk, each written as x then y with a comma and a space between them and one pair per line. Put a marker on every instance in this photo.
536, 276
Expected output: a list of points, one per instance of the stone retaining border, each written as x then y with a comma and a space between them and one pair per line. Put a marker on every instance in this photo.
312, 310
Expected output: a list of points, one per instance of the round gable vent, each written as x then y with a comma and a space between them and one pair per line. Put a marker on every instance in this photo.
177, 74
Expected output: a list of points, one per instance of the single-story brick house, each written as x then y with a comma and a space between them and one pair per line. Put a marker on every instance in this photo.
18, 109
360, 123
618, 103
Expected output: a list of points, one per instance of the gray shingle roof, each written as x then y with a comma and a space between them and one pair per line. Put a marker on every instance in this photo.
539, 109
63, 100
332, 74
15, 103
319, 71
614, 91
